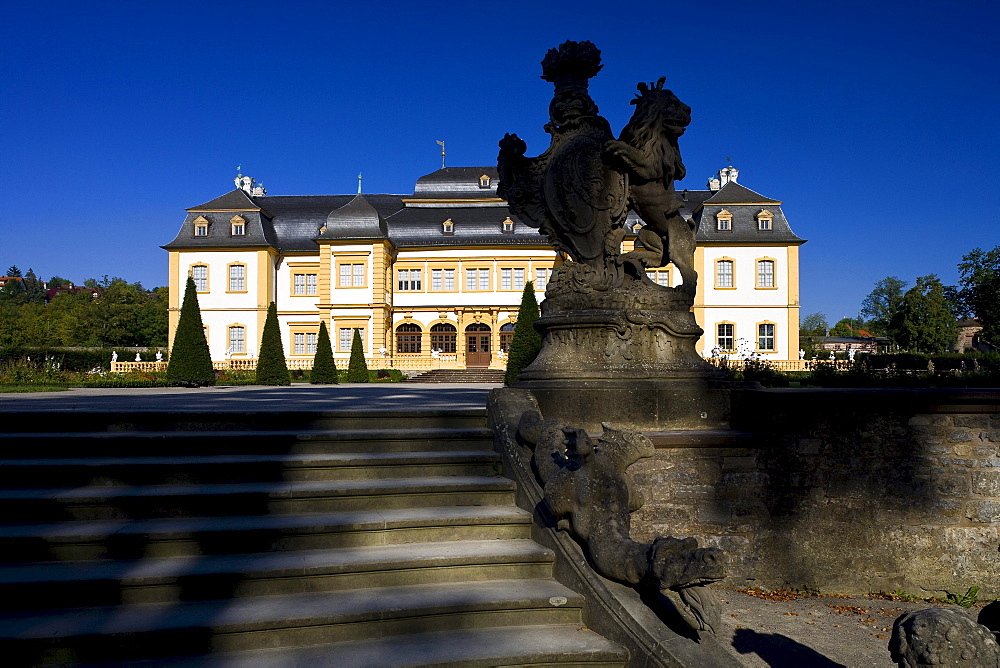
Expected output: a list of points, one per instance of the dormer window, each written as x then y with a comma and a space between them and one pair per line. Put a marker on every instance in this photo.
508, 226
448, 227
724, 221
764, 220
238, 226
201, 226
484, 181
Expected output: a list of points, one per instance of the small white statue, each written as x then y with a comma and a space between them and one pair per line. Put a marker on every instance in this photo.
832, 356
850, 354
159, 356
138, 357
802, 354
435, 353
114, 356
716, 351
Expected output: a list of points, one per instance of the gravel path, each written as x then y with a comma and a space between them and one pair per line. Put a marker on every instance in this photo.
814, 631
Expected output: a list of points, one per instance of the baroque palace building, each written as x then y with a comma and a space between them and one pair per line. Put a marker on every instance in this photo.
434, 279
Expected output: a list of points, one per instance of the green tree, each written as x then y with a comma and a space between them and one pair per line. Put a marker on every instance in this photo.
59, 282
881, 305
324, 371
847, 327
924, 322
527, 342
34, 289
357, 368
190, 362
271, 367
813, 329
13, 290
979, 273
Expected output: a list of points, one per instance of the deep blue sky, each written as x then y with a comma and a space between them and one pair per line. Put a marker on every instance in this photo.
874, 122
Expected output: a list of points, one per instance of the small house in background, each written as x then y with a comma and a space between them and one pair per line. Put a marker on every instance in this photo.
969, 337
864, 342
4, 280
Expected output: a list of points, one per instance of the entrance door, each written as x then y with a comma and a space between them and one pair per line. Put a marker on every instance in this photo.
477, 345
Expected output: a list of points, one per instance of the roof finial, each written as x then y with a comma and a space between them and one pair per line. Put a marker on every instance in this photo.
441, 144
359, 183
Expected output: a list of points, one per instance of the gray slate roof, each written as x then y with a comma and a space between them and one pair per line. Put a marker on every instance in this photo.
293, 223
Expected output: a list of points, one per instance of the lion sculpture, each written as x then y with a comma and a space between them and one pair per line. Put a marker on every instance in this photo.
648, 154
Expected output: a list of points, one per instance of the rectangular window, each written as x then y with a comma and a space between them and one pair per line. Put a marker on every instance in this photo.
765, 337
724, 274
765, 274
541, 279
352, 275
347, 337
519, 279
436, 282
237, 337
764, 224
725, 224
470, 280
484, 279
201, 230
238, 229
409, 280
304, 284
725, 336
237, 278
659, 277
304, 343
199, 273
449, 279
505, 279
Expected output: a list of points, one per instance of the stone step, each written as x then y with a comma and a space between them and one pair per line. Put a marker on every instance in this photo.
569, 645
37, 586
269, 497
96, 421
170, 443
181, 469
149, 630
149, 538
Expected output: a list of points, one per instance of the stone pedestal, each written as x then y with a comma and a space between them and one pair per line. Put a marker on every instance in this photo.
625, 355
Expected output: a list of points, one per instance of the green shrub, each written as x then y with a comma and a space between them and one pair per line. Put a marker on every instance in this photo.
357, 368
527, 342
190, 361
324, 369
759, 370
271, 367
236, 377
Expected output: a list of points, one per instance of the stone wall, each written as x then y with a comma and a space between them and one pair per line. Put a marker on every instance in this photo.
840, 490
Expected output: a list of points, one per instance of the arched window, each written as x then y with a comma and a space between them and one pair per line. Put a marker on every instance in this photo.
444, 337
506, 336
408, 338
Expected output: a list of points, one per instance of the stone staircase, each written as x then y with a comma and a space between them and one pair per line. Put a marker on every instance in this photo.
459, 376
273, 539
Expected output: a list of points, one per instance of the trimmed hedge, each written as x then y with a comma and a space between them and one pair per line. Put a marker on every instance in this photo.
324, 370
357, 368
190, 361
527, 342
271, 367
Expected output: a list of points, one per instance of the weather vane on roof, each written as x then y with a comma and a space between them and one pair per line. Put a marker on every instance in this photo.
729, 160
359, 183
441, 144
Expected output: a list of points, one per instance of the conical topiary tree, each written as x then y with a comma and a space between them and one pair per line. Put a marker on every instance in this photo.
527, 342
357, 368
324, 371
271, 368
190, 362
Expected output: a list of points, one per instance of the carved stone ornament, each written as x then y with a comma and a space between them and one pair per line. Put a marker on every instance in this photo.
942, 637
578, 193
590, 495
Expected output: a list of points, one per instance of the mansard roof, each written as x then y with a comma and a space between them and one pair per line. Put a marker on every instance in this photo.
234, 200
734, 193
457, 183
294, 223
355, 220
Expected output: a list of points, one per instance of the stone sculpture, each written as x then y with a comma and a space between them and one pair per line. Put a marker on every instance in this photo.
942, 637
590, 495
603, 318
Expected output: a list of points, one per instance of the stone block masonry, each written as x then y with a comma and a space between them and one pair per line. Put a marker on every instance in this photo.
841, 491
